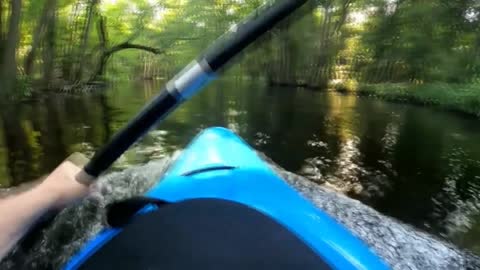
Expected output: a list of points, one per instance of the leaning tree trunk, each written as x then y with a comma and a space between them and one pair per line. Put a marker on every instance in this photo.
81, 60
49, 48
2, 32
42, 27
1, 28
103, 38
8, 66
68, 53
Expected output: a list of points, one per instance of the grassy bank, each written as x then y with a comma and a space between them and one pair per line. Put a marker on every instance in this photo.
464, 98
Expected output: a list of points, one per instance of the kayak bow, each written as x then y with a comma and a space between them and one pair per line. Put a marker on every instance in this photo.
218, 164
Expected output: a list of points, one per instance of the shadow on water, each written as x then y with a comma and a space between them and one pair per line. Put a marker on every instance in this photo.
415, 164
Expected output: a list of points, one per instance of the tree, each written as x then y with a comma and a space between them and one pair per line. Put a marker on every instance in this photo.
41, 28
106, 53
8, 65
49, 45
305, 52
422, 41
67, 43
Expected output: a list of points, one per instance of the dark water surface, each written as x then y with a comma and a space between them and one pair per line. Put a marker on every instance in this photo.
419, 165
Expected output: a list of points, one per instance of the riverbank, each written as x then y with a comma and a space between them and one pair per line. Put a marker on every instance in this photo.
464, 98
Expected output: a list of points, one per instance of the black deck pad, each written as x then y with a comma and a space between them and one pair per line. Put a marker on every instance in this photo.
205, 234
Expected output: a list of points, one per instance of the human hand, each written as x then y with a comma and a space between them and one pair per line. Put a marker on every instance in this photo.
63, 185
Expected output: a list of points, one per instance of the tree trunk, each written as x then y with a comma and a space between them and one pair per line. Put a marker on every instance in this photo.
103, 38
38, 34
8, 66
68, 56
144, 67
2, 30
1, 26
49, 47
330, 39
84, 43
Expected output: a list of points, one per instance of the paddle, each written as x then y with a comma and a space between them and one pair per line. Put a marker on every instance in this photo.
183, 86
189, 81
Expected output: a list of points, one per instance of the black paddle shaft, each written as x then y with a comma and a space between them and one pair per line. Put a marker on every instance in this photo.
191, 79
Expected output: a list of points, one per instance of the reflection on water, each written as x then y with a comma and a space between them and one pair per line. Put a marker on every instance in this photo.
419, 165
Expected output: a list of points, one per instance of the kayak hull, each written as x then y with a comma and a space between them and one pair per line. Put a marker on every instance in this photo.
218, 164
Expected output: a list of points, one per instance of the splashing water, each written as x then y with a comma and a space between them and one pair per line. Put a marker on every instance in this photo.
76, 225
401, 246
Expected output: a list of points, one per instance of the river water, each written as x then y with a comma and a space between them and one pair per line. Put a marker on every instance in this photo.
418, 165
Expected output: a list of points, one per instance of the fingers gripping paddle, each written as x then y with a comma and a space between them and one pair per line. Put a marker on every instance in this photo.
189, 81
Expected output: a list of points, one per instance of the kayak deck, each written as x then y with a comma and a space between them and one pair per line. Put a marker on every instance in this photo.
218, 164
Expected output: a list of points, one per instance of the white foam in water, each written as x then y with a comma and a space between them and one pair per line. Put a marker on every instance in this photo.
75, 225
402, 246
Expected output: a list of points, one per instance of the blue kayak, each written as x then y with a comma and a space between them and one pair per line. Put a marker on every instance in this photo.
218, 164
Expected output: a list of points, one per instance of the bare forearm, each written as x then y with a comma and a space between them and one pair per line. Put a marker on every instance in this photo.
18, 213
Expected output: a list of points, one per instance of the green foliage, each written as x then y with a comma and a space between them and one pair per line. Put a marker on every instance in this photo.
336, 44
423, 41
23, 88
457, 97
345, 86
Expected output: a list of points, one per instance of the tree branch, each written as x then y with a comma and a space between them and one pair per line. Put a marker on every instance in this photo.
100, 70
128, 45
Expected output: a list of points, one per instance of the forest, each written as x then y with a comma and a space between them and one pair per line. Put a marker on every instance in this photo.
387, 48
